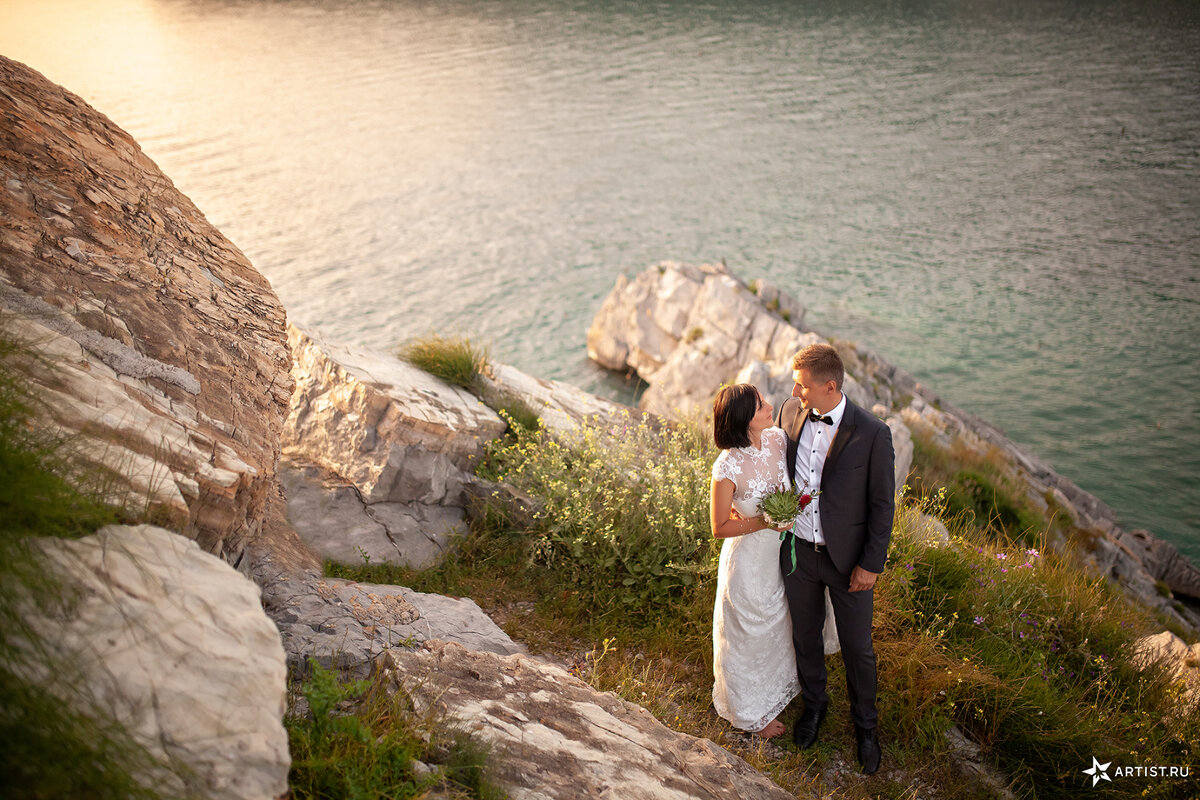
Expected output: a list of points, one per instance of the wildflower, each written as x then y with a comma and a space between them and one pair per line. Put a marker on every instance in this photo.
979, 620
1001, 556
1032, 553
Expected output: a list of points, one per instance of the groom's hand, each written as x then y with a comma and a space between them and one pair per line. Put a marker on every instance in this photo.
861, 580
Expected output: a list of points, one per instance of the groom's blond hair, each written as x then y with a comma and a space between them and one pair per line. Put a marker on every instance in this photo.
822, 362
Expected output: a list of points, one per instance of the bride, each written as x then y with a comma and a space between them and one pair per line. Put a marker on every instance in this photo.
754, 664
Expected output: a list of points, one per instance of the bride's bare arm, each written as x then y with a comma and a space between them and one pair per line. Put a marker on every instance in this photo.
725, 522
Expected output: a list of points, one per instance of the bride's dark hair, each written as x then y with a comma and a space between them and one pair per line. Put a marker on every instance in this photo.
734, 408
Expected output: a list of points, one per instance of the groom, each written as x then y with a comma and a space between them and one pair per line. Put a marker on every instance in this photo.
844, 453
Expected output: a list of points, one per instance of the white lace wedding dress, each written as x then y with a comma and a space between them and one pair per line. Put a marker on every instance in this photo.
754, 663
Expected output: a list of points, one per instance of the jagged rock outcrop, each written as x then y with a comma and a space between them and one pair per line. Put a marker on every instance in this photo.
168, 359
379, 455
378, 452
173, 642
556, 738
687, 329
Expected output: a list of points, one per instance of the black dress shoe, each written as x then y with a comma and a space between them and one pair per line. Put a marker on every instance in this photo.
868, 749
806, 728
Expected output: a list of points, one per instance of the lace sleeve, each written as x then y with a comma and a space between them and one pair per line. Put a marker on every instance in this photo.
778, 443
726, 467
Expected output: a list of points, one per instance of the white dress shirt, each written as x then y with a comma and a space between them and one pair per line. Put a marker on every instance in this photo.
815, 438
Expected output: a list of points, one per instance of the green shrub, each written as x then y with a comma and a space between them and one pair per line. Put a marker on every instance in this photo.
624, 516
453, 359
991, 507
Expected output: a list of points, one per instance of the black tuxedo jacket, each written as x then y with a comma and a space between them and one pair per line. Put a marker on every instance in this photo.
858, 485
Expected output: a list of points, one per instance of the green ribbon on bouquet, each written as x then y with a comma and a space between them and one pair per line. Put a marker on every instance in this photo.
783, 537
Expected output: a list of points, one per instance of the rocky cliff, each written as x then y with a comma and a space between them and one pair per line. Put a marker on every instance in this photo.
171, 364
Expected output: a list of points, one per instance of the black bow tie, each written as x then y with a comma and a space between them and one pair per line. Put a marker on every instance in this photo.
815, 417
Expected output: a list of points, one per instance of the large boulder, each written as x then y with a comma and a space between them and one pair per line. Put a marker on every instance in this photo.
686, 329
167, 360
559, 739
173, 643
1180, 660
377, 454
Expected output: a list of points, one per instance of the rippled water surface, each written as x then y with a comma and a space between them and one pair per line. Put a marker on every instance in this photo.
1001, 197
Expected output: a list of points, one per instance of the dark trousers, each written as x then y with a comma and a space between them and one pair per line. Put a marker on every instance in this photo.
805, 592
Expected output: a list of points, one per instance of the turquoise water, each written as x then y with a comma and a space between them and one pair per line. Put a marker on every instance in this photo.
1002, 198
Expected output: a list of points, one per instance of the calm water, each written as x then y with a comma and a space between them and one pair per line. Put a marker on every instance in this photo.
1001, 197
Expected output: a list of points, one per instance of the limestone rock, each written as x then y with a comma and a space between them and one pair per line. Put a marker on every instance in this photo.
559, 739
1164, 562
167, 356
687, 329
394, 431
1181, 660
174, 643
378, 454
560, 406
350, 625
902, 444
332, 518
971, 761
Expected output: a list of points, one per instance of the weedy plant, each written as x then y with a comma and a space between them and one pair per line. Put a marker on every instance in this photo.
623, 515
363, 741
1033, 659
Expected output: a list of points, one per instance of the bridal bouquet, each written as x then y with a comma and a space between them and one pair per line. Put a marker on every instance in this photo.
783, 506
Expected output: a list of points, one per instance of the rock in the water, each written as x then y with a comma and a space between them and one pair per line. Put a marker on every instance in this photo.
169, 362
559, 739
173, 642
687, 329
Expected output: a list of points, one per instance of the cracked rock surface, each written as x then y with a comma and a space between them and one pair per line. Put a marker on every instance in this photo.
165, 350
556, 738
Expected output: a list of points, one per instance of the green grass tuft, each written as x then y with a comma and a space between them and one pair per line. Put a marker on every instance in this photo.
456, 360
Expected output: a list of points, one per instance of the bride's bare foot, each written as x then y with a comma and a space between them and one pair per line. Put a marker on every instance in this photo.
773, 729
